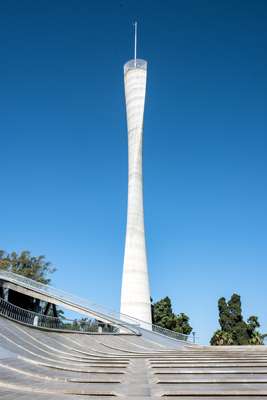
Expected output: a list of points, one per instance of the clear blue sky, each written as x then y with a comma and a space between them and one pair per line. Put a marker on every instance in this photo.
63, 161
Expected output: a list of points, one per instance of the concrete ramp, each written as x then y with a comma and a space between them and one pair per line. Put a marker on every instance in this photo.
125, 323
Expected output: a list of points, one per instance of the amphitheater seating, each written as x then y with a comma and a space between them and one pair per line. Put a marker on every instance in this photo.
42, 365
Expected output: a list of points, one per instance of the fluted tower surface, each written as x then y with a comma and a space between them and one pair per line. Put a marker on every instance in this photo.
135, 293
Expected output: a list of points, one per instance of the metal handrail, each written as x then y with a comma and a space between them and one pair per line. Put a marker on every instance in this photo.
29, 317
67, 298
118, 319
26, 316
173, 334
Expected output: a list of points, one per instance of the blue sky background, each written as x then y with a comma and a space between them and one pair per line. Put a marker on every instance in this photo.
63, 161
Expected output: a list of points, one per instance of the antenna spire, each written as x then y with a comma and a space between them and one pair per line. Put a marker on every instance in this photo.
135, 42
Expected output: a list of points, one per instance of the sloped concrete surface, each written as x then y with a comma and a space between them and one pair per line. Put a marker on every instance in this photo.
43, 365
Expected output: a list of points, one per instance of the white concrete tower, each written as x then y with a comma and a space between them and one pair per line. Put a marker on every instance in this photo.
135, 293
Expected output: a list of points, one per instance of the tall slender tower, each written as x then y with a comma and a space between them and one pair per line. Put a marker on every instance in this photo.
135, 293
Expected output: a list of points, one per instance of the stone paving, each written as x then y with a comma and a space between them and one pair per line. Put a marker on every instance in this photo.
42, 365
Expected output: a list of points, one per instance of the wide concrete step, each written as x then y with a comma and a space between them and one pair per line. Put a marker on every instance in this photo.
209, 365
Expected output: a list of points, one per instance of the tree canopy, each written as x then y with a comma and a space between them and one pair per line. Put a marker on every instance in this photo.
234, 330
33, 267
162, 315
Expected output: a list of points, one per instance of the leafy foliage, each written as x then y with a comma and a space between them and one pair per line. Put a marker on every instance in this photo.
234, 330
256, 338
163, 316
25, 264
221, 338
182, 324
253, 323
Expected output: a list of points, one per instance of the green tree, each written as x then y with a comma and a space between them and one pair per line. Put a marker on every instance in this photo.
256, 338
221, 338
182, 324
253, 323
163, 316
224, 315
36, 268
234, 330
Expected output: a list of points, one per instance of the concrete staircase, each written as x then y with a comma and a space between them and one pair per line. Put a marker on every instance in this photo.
37, 364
